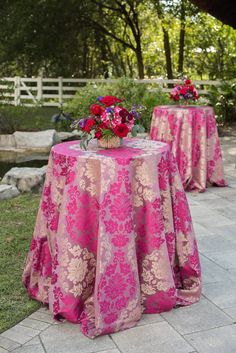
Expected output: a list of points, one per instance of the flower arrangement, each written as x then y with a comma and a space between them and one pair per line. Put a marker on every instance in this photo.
108, 121
184, 92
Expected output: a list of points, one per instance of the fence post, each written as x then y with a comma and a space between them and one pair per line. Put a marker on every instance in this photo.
39, 89
60, 91
17, 91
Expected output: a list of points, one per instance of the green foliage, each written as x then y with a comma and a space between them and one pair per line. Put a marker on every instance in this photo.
95, 38
17, 218
25, 118
128, 90
223, 98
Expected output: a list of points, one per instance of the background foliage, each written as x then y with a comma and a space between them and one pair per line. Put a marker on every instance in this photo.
127, 89
102, 38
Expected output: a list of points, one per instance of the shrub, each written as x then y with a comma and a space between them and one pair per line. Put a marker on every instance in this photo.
25, 118
126, 89
223, 99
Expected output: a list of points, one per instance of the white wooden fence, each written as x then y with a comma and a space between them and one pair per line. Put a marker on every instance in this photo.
56, 91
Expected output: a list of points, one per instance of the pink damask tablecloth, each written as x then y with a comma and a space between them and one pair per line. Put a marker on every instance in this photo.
113, 237
191, 132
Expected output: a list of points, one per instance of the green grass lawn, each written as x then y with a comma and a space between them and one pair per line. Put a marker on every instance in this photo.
17, 219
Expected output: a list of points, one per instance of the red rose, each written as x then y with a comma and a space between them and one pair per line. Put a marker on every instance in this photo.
96, 109
89, 124
123, 113
183, 90
109, 100
121, 130
98, 135
102, 126
188, 82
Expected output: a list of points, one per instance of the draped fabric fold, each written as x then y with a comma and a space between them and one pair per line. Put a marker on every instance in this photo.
191, 133
113, 237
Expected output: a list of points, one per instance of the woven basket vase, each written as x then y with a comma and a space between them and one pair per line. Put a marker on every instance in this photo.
112, 142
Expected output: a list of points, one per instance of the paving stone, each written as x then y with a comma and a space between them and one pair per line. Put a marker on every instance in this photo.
229, 230
31, 349
36, 324
8, 344
226, 192
147, 319
34, 341
207, 195
224, 295
197, 317
20, 334
208, 220
198, 211
213, 242
212, 273
225, 259
2, 350
232, 273
231, 180
110, 351
44, 310
228, 212
218, 340
158, 337
231, 312
191, 200
41, 316
214, 204
201, 230
67, 338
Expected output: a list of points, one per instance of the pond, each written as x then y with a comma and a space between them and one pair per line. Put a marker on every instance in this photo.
9, 160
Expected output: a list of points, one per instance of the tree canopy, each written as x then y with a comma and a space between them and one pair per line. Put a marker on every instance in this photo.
113, 38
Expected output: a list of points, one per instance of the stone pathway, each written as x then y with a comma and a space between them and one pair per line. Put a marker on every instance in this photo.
206, 327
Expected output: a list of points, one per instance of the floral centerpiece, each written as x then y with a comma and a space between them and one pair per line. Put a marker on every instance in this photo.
109, 122
184, 93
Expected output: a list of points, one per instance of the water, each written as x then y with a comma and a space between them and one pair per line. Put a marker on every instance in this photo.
9, 160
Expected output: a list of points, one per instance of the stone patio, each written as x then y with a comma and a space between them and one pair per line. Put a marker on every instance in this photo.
206, 327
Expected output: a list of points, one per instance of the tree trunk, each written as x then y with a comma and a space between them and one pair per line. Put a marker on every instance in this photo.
167, 54
139, 57
181, 38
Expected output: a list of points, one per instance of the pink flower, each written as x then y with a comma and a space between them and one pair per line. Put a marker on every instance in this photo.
105, 117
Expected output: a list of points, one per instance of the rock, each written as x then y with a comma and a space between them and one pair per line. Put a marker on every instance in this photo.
8, 192
26, 179
66, 136
40, 140
7, 141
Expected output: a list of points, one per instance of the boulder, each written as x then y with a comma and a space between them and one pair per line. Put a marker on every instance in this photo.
8, 192
7, 141
26, 179
66, 136
40, 140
